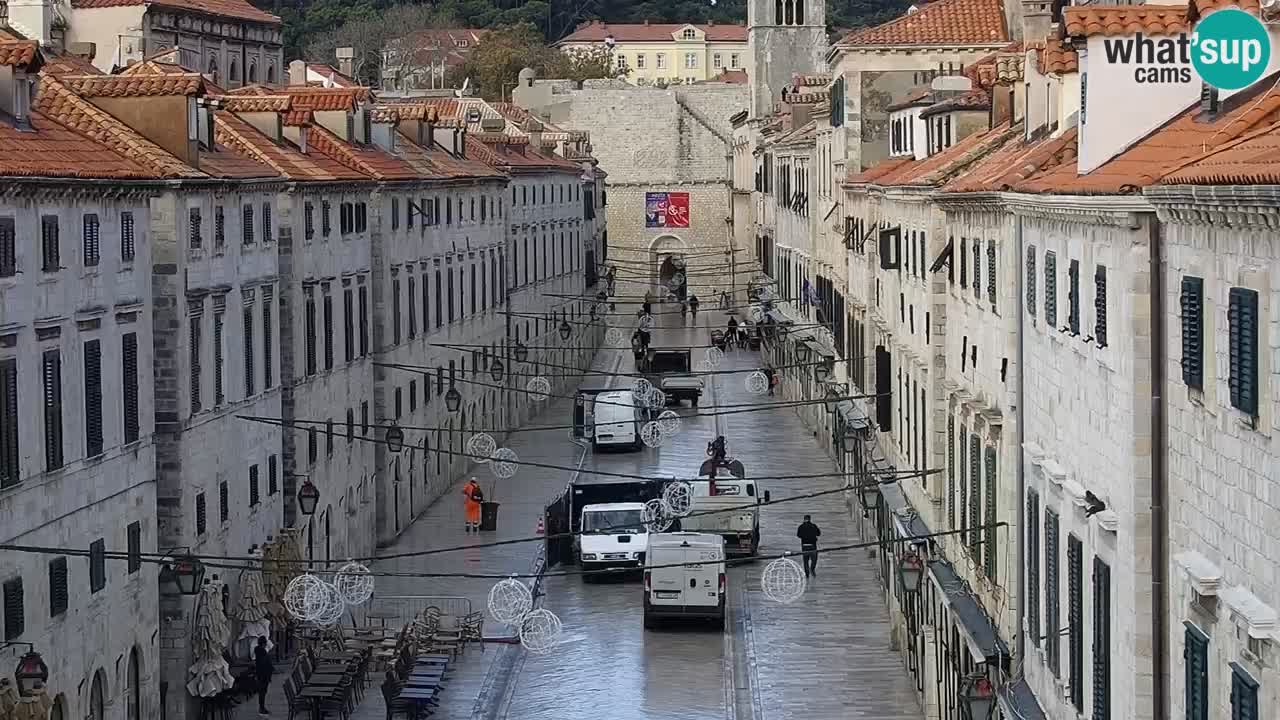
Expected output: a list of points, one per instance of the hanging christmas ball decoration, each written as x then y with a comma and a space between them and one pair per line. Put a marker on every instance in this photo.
757, 383
303, 595
613, 336
640, 389
783, 580
330, 607
481, 446
540, 631
539, 388
354, 583
714, 356
702, 366
504, 463
509, 601
757, 314
677, 498
651, 434
646, 322
656, 399
669, 420
655, 517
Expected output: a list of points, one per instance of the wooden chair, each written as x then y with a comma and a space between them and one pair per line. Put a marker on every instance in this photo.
473, 629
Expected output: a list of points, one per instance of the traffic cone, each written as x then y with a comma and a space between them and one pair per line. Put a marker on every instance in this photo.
541, 530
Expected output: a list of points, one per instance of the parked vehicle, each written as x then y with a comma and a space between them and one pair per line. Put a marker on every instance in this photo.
671, 371
613, 536
684, 577
617, 419
727, 506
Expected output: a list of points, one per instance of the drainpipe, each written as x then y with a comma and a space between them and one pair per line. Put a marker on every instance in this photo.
1159, 482
1020, 640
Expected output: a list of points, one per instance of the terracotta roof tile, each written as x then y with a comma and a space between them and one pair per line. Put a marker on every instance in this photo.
1014, 162
295, 118
1254, 159
918, 96
226, 162
1201, 7
254, 89
317, 98
224, 8
945, 22
735, 77
971, 100
154, 67
56, 151
597, 31
515, 153
20, 52
939, 168
68, 64
368, 160
134, 86
1087, 20
878, 170
435, 163
256, 103
1053, 57
284, 158
331, 73
1168, 147
58, 102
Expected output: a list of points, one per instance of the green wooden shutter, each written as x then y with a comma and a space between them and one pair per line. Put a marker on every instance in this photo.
989, 533
1195, 657
1052, 613
1051, 290
951, 471
15, 617
1033, 566
1101, 640
1075, 621
1100, 305
10, 460
58, 593
1242, 317
1192, 304
975, 497
52, 371
1073, 297
93, 398
129, 380
97, 565
962, 483
991, 272
1031, 281
1244, 694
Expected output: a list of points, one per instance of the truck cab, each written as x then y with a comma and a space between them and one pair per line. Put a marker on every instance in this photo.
728, 507
671, 371
613, 536
684, 576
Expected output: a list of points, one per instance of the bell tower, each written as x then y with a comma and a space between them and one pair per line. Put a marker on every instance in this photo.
785, 38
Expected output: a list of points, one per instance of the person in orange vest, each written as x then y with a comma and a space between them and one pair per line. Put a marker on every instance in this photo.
472, 497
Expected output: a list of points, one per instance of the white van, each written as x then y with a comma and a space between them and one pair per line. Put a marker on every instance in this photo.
684, 576
613, 536
617, 418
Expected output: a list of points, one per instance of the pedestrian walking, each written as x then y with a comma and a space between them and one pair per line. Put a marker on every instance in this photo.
724, 300
684, 312
808, 534
772, 377
472, 497
731, 336
693, 305
263, 668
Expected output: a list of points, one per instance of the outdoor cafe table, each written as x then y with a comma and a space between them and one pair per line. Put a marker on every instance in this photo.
419, 698
382, 616
316, 695
324, 679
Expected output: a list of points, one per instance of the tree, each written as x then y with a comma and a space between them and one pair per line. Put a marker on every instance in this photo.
494, 65
406, 27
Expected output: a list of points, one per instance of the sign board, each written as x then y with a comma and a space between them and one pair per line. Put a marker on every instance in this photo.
666, 210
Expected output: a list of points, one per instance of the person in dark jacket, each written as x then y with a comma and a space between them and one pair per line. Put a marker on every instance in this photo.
693, 305
808, 534
264, 669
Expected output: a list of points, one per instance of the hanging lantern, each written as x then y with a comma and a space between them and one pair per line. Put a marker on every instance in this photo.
495, 370
31, 672
977, 697
833, 397
308, 498
565, 329
870, 497
521, 352
910, 571
189, 572
168, 581
453, 399
395, 439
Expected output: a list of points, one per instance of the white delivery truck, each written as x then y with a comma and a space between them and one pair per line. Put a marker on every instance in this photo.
613, 536
617, 418
733, 512
684, 576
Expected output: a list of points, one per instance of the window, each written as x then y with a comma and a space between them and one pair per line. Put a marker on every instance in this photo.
413, 312
51, 260
1031, 281
129, 386
1191, 302
1033, 566
661, 60
1073, 297
1052, 617
964, 262
194, 342
253, 485
1101, 640
326, 310
351, 426
326, 218
51, 373
977, 269
313, 445
127, 247
91, 237
1244, 694
309, 322
308, 220
93, 398
246, 224
328, 438
688, 34
640, 61
1195, 656
201, 515
219, 228
1050, 290
974, 537
395, 311
690, 61
273, 477
348, 324
1242, 320
362, 217
97, 565
247, 318
733, 61
364, 417
716, 62
991, 273
622, 62
15, 616
8, 247
951, 470
224, 502
59, 595
266, 222
395, 213
364, 320
1100, 305
194, 230
1075, 621
267, 349
989, 545
452, 295
218, 396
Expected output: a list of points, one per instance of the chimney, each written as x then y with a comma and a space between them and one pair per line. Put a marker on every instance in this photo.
346, 61
33, 18
297, 72
1037, 15
1001, 105
84, 50
16, 97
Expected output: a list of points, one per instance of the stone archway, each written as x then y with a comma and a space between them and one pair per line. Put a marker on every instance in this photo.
669, 265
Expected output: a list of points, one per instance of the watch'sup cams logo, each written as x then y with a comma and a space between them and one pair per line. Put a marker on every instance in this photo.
1229, 50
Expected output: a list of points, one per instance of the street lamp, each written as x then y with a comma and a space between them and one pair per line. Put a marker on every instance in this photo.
977, 697
910, 571
495, 370
308, 498
395, 439
565, 330
31, 672
521, 352
869, 497
833, 397
453, 399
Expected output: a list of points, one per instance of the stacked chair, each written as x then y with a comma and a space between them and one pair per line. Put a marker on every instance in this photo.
335, 680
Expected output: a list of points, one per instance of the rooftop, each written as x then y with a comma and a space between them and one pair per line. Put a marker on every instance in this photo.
54, 151
944, 22
597, 31
1053, 57
1254, 159
1108, 20
239, 9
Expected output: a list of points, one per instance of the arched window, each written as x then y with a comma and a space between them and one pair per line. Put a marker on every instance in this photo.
233, 71
135, 686
789, 8
777, 12
98, 696
799, 12
271, 74
253, 72
213, 69
59, 709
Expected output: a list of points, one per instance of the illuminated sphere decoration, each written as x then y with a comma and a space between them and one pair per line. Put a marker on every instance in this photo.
677, 262
655, 517
354, 583
757, 383
677, 279
713, 356
783, 580
303, 596
757, 314
539, 388
481, 447
509, 601
651, 434
640, 389
656, 399
669, 420
329, 606
646, 322
613, 336
504, 463
677, 498
540, 631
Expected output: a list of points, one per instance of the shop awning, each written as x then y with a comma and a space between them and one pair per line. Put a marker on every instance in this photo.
820, 349
1018, 701
778, 317
855, 419
984, 642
